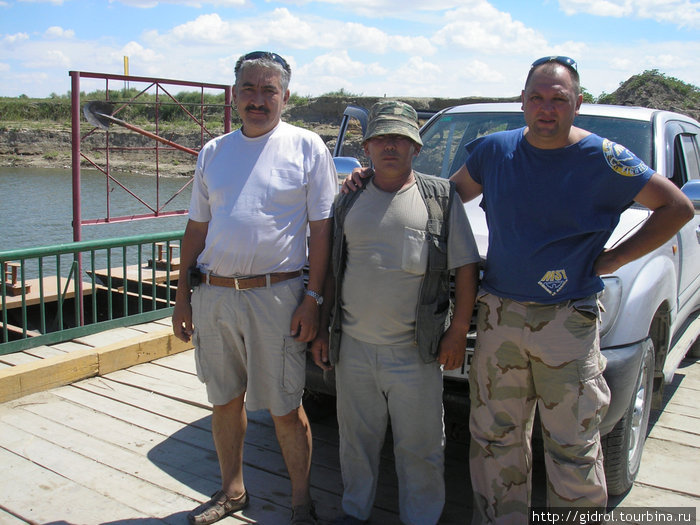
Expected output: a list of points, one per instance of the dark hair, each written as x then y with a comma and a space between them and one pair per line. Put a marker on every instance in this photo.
552, 65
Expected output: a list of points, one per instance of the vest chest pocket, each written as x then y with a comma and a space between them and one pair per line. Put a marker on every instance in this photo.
415, 251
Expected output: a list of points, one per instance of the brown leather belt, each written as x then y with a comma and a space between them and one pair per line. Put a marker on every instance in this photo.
244, 283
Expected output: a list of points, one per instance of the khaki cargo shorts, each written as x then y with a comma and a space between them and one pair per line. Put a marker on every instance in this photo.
242, 345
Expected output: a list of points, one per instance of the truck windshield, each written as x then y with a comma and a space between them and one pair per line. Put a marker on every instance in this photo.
445, 139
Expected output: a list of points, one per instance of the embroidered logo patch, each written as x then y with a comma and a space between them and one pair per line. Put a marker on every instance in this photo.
553, 281
622, 160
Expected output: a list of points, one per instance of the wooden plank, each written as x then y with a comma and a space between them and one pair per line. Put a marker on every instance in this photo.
183, 361
44, 351
107, 337
649, 497
162, 470
150, 327
138, 412
44, 374
50, 292
149, 401
665, 465
678, 421
684, 403
261, 451
19, 330
8, 519
261, 436
31, 374
676, 436
79, 457
158, 379
132, 274
35, 491
18, 358
140, 349
70, 346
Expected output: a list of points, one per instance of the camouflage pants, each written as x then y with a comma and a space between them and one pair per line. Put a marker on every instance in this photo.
530, 355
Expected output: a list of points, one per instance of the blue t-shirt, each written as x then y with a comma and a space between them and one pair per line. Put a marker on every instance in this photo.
550, 212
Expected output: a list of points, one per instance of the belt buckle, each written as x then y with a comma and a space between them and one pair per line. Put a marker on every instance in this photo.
235, 283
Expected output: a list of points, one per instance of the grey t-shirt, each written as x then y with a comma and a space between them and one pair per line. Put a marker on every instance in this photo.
387, 257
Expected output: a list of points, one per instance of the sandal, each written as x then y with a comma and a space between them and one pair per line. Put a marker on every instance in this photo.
218, 507
304, 514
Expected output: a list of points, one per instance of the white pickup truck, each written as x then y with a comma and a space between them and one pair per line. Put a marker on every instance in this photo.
652, 305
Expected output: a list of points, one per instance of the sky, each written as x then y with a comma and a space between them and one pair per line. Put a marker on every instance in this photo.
402, 48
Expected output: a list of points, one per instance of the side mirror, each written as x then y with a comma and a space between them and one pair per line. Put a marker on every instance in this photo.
692, 191
344, 166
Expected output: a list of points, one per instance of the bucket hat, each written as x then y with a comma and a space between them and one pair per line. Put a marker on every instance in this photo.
393, 117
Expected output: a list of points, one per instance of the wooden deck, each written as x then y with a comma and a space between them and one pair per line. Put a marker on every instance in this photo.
134, 446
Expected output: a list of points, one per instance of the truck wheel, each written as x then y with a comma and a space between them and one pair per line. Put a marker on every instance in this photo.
695, 349
622, 447
317, 405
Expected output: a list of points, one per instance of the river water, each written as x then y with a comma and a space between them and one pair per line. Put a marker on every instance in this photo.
36, 207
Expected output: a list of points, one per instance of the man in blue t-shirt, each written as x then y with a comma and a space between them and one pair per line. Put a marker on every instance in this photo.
552, 193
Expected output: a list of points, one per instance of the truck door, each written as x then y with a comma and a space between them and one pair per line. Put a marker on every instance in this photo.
686, 167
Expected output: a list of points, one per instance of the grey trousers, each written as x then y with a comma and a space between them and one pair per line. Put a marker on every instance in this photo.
376, 383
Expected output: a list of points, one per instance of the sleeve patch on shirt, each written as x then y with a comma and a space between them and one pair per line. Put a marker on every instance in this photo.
622, 160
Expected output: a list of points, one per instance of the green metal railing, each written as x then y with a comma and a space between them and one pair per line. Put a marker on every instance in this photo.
52, 294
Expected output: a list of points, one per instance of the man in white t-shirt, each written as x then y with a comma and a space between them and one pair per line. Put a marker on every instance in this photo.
256, 190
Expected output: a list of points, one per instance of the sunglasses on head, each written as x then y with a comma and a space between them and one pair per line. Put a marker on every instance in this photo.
564, 61
254, 55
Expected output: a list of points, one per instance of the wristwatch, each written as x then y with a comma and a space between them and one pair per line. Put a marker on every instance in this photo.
317, 296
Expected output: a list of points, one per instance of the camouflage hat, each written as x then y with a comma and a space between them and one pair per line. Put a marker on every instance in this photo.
392, 117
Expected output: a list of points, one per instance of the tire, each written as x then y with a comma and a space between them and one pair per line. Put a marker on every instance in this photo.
695, 349
317, 405
623, 446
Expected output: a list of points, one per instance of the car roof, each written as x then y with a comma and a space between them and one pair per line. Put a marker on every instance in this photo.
606, 110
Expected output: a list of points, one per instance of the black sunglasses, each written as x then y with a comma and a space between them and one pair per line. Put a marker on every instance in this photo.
564, 61
254, 55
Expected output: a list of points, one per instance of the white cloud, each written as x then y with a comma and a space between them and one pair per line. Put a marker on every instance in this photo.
282, 28
53, 2
59, 32
149, 4
136, 51
14, 39
481, 27
52, 59
682, 13
339, 64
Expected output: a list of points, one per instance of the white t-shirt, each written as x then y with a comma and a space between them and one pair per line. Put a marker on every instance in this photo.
258, 194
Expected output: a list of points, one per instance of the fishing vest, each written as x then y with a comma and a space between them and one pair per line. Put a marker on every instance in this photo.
434, 298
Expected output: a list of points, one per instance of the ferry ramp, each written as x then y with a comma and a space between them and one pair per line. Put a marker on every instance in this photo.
115, 428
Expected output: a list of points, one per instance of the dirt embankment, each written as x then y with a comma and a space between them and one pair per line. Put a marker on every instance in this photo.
24, 145
27, 146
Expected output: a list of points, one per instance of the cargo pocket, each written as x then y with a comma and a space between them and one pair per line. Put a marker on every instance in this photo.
200, 364
293, 365
588, 307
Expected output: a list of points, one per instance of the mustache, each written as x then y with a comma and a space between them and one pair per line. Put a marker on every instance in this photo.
253, 107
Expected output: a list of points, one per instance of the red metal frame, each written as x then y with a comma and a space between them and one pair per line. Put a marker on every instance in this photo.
151, 83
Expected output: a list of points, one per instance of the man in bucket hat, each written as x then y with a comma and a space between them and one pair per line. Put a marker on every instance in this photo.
395, 245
